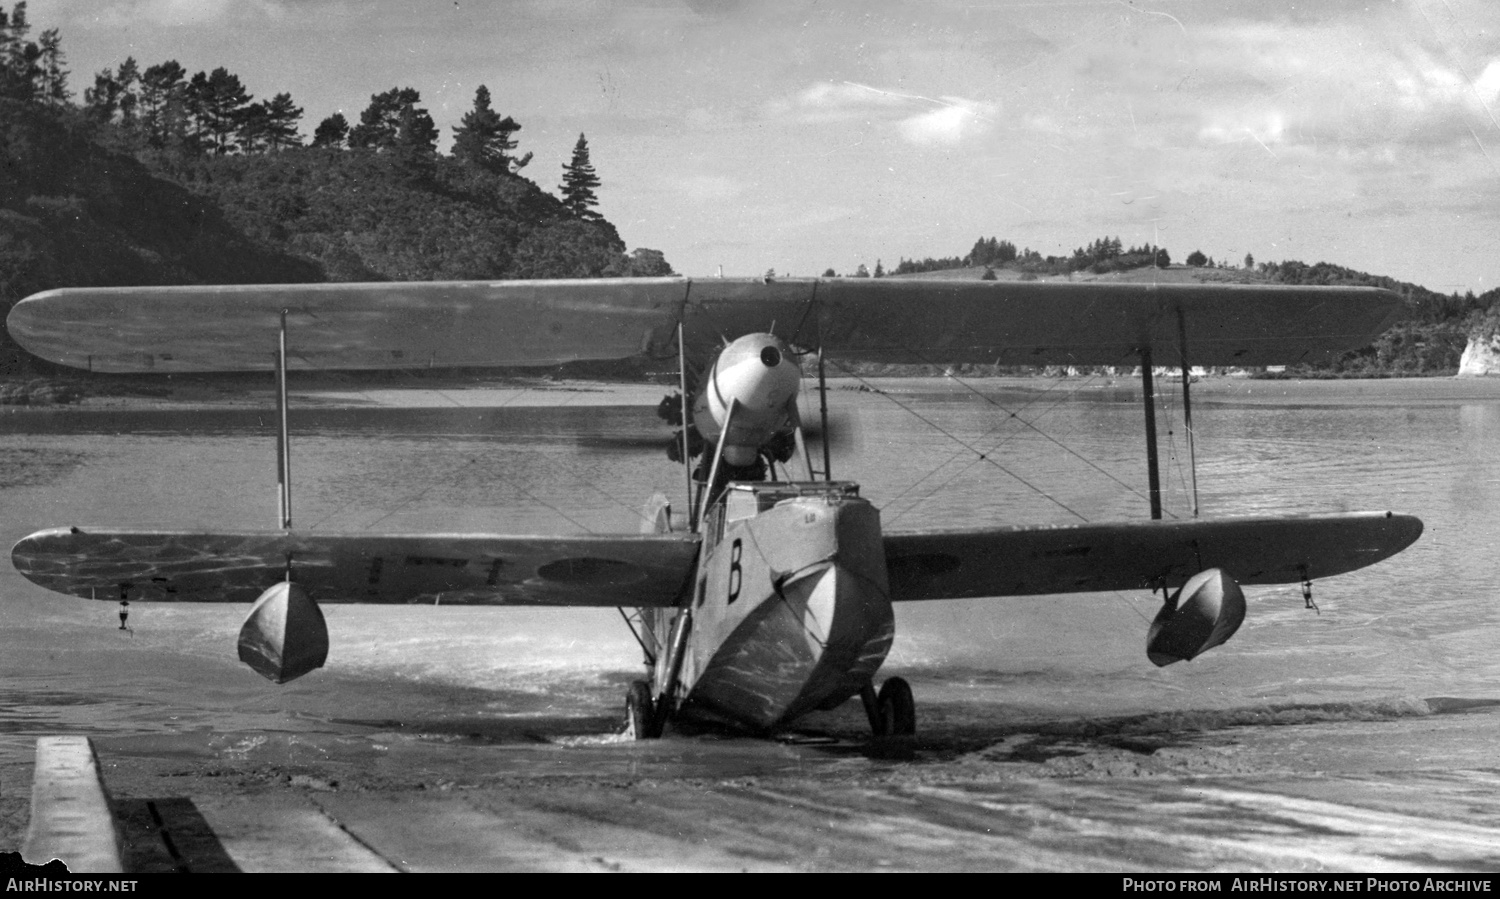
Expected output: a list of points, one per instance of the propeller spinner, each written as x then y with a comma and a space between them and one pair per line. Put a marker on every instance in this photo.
760, 374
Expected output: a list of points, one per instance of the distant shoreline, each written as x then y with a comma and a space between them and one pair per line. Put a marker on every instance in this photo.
188, 394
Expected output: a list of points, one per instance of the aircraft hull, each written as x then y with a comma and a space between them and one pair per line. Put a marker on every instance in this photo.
792, 614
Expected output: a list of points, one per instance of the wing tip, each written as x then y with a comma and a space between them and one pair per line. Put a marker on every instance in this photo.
1409, 529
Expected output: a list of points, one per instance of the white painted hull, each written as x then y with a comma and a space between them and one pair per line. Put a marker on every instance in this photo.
809, 634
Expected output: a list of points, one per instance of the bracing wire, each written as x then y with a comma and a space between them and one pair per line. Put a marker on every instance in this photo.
364, 391
1170, 402
1011, 415
456, 474
1038, 398
985, 456
982, 456
978, 457
1048, 437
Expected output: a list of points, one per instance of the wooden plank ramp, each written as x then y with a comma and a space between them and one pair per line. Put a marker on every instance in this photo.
70, 811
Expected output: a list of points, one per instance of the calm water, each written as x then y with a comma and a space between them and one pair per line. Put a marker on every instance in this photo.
928, 453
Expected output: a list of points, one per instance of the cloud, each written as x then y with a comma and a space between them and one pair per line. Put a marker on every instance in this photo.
832, 101
1427, 87
951, 123
178, 13
1487, 85
846, 95
1266, 127
1345, 81
1358, 75
923, 121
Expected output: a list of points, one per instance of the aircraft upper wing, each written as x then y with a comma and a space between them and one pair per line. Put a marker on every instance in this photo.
534, 323
476, 569
1023, 561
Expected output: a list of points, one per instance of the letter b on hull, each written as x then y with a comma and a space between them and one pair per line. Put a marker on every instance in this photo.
285, 635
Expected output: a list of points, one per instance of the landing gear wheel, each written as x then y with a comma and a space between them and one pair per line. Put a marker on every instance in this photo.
639, 713
897, 708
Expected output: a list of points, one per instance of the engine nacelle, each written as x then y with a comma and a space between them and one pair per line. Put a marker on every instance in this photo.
1204, 613
760, 372
285, 635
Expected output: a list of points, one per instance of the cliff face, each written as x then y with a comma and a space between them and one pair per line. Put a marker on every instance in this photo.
1481, 357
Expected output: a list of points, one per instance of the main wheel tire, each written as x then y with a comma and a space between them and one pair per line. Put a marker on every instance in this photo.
898, 710
639, 710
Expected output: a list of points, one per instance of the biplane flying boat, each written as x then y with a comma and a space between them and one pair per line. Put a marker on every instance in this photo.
772, 596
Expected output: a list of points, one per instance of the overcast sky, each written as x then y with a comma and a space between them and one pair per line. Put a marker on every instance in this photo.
805, 135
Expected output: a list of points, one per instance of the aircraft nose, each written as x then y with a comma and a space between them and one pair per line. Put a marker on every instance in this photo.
770, 357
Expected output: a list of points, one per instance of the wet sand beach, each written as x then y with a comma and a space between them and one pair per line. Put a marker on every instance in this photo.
1394, 786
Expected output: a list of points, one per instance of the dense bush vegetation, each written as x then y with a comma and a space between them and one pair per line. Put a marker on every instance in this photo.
161, 178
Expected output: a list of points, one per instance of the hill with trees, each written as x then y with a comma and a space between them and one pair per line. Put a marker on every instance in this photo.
1429, 338
158, 177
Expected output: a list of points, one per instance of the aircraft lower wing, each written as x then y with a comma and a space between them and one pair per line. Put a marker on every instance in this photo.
474, 569
655, 570
1025, 561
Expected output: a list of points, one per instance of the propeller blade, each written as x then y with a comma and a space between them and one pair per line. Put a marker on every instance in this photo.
842, 435
640, 441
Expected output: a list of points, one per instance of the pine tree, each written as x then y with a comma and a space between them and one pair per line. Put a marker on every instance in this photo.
270, 126
162, 109
483, 137
194, 95
331, 132
103, 99
19, 28
128, 77
251, 130
218, 102
413, 150
380, 125
51, 80
281, 123
18, 56
579, 182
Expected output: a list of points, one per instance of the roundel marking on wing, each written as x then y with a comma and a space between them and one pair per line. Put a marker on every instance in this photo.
918, 567
586, 571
